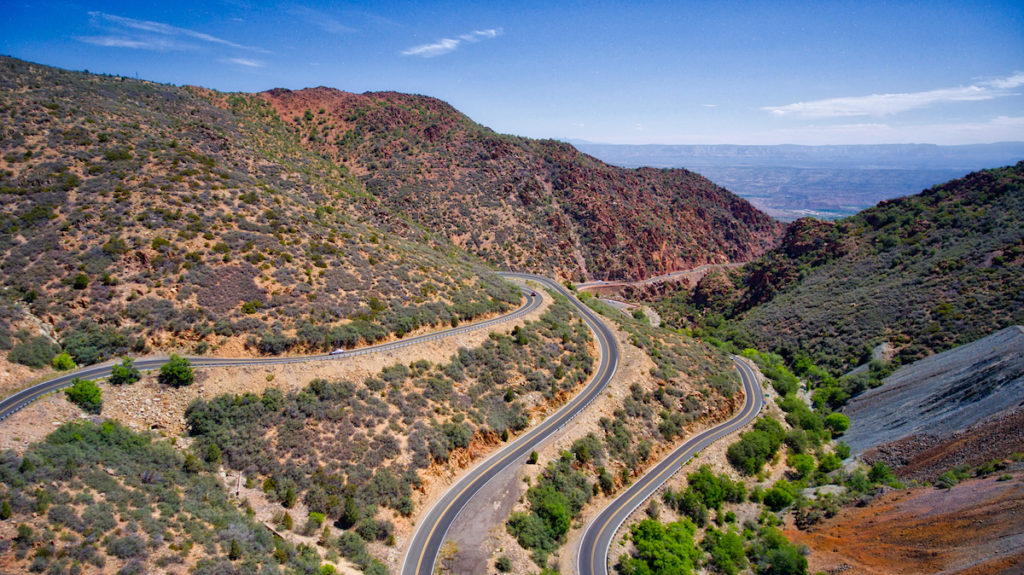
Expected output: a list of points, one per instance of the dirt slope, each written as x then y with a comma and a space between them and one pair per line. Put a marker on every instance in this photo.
942, 394
976, 527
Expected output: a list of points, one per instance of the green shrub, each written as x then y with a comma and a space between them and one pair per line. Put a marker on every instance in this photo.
36, 351
829, 462
880, 473
661, 549
712, 491
802, 464
63, 362
177, 372
837, 423
85, 394
756, 447
90, 342
725, 551
780, 496
503, 564
125, 373
80, 281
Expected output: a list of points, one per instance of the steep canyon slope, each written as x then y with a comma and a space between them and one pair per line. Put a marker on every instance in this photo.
538, 205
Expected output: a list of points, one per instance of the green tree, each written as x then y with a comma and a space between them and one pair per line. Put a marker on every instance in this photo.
85, 394
236, 551
125, 373
177, 372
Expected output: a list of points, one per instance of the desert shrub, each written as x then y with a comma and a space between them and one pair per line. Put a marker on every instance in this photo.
780, 496
85, 394
558, 496
803, 464
772, 554
125, 373
756, 447
63, 362
127, 547
829, 462
661, 549
588, 449
90, 343
714, 490
881, 473
837, 423
177, 372
725, 551
36, 351
688, 504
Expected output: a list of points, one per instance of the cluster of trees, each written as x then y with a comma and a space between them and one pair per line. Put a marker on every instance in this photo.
757, 446
705, 491
560, 493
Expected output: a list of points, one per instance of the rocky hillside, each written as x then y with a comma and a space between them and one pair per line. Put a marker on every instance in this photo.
521, 203
958, 407
136, 215
924, 273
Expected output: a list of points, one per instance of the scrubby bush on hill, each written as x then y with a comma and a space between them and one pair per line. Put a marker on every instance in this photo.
177, 372
85, 394
756, 447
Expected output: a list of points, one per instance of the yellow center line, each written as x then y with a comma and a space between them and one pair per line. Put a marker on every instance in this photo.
536, 431
736, 423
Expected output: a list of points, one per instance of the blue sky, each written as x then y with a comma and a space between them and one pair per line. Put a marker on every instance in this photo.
638, 73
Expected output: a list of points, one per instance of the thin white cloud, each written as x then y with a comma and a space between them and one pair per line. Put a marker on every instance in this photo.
446, 45
154, 35
889, 104
247, 62
134, 43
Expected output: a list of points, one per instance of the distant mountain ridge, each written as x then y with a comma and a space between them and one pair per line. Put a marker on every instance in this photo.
863, 156
790, 181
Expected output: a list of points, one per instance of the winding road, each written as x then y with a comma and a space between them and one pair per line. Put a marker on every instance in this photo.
26, 396
431, 531
593, 552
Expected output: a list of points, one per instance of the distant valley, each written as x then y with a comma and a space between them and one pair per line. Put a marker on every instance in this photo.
789, 182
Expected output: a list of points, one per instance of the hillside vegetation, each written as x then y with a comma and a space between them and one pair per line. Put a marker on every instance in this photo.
134, 215
519, 203
924, 273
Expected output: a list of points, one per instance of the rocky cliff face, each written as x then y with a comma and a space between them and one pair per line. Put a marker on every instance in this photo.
526, 204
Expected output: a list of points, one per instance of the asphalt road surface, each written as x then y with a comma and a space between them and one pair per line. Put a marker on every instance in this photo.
593, 552
432, 529
26, 396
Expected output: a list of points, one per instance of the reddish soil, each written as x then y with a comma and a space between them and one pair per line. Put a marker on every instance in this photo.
976, 527
925, 457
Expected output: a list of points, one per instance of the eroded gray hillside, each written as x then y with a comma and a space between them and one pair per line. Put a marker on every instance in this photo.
942, 394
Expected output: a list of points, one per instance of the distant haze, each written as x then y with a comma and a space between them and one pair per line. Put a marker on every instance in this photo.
789, 181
